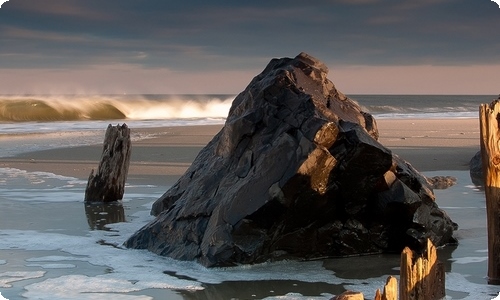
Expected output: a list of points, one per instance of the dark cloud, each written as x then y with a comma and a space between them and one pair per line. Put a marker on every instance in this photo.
187, 35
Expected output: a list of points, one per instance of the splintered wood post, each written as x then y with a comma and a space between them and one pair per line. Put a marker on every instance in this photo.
489, 118
421, 277
108, 183
349, 295
390, 290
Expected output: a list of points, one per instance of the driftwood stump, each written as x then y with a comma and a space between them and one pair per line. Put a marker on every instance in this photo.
108, 183
421, 277
349, 295
390, 290
489, 118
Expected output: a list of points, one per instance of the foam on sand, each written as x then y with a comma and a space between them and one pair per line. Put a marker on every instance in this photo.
6, 278
136, 270
104, 268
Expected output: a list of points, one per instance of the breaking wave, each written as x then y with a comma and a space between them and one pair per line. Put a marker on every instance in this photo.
49, 108
112, 107
422, 106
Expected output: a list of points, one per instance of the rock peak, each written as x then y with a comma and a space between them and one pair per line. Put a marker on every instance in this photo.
312, 61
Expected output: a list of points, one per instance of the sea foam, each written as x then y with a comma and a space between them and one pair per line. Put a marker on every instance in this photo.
123, 273
50, 108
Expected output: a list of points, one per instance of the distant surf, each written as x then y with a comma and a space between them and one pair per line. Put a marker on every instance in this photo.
422, 106
54, 108
50, 108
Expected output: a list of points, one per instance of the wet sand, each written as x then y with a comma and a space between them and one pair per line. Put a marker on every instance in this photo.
428, 144
159, 160
443, 145
432, 144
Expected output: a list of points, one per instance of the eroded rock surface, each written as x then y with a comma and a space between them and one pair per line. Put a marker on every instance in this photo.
476, 170
296, 172
442, 182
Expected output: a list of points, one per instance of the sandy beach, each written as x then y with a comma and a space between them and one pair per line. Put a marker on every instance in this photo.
57, 241
429, 145
432, 144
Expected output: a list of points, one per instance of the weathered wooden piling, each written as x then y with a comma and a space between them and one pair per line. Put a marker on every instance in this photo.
390, 290
489, 118
108, 183
421, 276
349, 295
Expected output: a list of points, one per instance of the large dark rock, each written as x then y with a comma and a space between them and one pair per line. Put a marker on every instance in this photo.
296, 172
441, 182
476, 170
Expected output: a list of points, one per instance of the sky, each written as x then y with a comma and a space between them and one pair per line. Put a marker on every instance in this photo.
218, 46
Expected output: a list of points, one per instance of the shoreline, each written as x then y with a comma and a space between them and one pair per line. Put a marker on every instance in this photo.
157, 160
432, 144
35, 234
427, 144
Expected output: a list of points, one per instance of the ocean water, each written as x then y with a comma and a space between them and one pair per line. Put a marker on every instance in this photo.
50, 108
74, 120
53, 246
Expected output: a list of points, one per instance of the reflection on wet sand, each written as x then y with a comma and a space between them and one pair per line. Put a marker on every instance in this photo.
100, 214
263, 288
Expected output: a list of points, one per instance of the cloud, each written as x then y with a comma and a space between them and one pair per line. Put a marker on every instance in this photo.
389, 32
234, 36
359, 79
417, 79
386, 20
10, 32
412, 5
122, 78
356, 2
67, 8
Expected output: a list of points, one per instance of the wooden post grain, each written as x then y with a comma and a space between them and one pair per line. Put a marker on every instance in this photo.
489, 118
349, 295
108, 183
421, 277
390, 290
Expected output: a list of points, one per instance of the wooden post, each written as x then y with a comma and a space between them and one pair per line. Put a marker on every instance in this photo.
390, 290
489, 118
108, 183
349, 295
421, 277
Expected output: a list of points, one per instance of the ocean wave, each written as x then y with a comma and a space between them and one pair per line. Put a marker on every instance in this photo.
422, 106
427, 115
23, 110
390, 109
122, 107
51, 108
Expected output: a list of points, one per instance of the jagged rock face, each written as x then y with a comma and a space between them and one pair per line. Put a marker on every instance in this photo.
296, 172
476, 170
